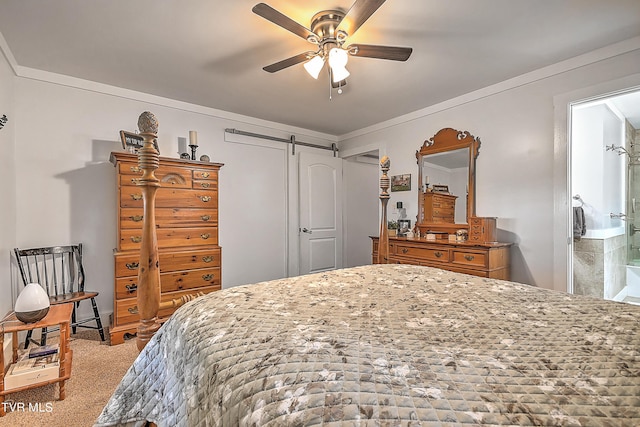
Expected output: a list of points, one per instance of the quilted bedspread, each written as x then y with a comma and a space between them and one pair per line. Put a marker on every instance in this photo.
388, 345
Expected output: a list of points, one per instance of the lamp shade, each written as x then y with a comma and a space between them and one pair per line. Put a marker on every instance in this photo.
337, 61
314, 66
339, 74
338, 57
32, 304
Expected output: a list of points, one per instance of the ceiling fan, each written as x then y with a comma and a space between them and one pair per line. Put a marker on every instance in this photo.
329, 32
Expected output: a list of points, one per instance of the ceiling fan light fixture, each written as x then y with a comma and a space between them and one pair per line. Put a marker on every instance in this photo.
337, 61
341, 36
329, 31
338, 58
339, 74
314, 66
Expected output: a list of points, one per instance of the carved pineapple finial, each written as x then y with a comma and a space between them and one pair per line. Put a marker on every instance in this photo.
147, 123
383, 246
385, 165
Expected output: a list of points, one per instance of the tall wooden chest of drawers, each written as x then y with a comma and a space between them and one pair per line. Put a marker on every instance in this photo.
438, 207
187, 230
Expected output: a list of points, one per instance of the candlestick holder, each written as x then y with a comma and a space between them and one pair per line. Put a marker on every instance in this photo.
193, 151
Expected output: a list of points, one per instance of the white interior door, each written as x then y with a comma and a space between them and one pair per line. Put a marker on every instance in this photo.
320, 212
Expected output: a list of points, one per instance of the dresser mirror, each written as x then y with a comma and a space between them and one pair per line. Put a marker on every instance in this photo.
446, 181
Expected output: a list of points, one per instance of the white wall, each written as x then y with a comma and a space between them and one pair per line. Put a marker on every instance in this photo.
515, 122
7, 190
65, 184
8, 179
360, 206
597, 175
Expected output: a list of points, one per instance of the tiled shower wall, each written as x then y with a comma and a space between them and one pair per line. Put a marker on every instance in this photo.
599, 266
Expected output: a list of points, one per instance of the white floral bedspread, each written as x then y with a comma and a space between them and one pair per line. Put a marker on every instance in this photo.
388, 345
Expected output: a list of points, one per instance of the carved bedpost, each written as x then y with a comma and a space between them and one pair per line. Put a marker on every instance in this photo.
149, 271
383, 243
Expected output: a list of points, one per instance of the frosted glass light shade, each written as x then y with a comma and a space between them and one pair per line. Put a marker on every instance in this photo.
339, 74
32, 304
337, 61
338, 58
314, 66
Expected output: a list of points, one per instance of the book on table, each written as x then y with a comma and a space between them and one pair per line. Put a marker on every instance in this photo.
30, 364
29, 371
43, 350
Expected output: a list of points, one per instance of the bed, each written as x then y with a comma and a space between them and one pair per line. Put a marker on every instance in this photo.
389, 345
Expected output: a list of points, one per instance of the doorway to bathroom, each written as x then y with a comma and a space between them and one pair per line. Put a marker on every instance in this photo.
605, 196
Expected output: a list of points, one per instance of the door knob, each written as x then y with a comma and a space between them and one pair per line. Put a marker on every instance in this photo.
306, 230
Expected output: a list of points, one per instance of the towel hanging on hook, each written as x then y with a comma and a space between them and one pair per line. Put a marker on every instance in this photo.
579, 200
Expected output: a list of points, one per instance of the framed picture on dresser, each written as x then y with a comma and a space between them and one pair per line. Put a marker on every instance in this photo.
132, 142
404, 225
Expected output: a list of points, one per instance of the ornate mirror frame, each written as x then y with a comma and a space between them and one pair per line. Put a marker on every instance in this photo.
446, 140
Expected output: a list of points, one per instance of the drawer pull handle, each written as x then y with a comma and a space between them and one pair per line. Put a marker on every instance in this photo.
205, 185
132, 265
133, 310
438, 254
132, 288
136, 196
405, 250
205, 198
205, 174
136, 239
207, 277
205, 236
207, 258
136, 218
135, 169
135, 181
205, 217
469, 257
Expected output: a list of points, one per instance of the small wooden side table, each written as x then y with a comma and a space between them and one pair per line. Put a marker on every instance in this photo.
59, 314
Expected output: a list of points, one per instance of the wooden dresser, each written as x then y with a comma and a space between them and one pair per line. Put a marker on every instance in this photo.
478, 259
187, 231
438, 208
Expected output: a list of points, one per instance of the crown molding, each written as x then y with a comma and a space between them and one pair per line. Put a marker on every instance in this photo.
579, 61
6, 52
102, 88
91, 86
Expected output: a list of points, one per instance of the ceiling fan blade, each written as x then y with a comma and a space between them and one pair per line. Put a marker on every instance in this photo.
393, 53
270, 14
285, 63
358, 14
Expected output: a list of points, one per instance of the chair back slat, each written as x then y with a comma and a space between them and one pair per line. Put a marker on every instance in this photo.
58, 269
45, 275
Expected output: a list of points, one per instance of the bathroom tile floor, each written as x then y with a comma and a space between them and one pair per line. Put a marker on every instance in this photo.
632, 300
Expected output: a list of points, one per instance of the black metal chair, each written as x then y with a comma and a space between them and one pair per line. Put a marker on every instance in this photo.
59, 270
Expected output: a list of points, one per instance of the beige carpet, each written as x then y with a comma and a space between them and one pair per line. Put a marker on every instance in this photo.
96, 370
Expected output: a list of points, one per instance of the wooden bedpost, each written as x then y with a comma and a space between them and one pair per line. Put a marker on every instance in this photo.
149, 271
383, 243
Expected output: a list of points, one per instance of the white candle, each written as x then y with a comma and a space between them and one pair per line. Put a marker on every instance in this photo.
427, 180
193, 137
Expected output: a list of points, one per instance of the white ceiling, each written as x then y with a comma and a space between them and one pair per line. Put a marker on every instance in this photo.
211, 52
